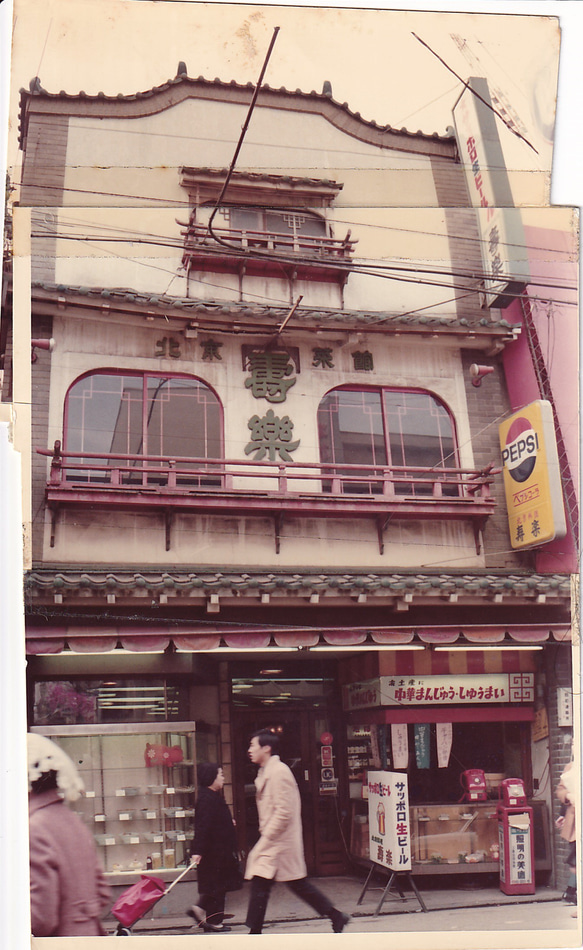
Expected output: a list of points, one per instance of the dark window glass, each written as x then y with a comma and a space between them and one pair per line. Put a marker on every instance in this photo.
385, 427
143, 415
73, 702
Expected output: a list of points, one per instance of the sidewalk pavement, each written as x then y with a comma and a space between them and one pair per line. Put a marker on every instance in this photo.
453, 908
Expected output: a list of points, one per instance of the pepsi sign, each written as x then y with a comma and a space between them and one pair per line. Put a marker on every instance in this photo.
532, 479
521, 449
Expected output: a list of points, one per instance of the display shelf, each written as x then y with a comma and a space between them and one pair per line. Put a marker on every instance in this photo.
139, 797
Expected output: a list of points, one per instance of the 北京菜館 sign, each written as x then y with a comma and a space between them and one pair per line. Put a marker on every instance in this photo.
440, 690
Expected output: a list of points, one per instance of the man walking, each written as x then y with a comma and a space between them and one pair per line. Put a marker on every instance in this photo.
279, 853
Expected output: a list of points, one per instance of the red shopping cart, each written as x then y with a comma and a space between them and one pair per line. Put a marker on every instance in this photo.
140, 898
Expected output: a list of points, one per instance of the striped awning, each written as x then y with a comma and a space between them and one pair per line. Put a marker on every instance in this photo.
41, 640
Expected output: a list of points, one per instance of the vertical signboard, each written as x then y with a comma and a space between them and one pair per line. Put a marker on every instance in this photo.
532, 479
388, 820
503, 245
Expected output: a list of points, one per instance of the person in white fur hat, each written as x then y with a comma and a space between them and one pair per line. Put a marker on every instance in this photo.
68, 890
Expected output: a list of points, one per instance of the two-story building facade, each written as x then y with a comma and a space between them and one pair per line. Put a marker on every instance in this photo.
265, 487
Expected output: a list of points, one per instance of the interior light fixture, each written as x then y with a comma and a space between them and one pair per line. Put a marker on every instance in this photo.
486, 646
377, 648
262, 650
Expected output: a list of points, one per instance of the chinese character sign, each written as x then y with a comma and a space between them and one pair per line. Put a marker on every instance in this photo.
388, 820
270, 375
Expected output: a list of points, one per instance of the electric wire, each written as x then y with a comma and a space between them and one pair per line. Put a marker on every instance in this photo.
477, 95
52, 209
363, 266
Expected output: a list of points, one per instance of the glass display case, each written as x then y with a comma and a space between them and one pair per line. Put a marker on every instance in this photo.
139, 790
451, 837
454, 839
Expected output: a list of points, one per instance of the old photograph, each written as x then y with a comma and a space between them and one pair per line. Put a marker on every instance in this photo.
289, 437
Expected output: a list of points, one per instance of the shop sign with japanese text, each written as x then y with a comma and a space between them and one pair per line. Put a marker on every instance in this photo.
388, 820
440, 690
519, 866
362, 695
506, 268
532, 478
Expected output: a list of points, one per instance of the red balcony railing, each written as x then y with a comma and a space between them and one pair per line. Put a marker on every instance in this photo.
269, 488
314, 257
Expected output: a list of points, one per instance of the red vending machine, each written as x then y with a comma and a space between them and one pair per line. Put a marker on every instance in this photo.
516, 837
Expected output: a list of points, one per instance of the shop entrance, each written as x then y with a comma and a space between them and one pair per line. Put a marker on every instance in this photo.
299, 731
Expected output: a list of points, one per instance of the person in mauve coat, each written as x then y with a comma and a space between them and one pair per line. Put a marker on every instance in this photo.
214, 849
68, 890
278, 855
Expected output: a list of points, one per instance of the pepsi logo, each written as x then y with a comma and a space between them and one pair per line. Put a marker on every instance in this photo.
520, 450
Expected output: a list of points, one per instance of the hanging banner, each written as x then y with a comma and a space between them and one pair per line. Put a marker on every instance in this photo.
532, 477
422, 740
375, 755
382, 733
400, 745
540, 726
444, 738
388, 820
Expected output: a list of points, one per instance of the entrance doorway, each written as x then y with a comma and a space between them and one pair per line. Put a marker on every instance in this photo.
323, 813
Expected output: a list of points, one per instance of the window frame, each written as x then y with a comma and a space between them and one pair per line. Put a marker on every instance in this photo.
386, 433
144, 375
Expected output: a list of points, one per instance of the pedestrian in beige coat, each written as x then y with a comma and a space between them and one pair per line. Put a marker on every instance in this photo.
278, 855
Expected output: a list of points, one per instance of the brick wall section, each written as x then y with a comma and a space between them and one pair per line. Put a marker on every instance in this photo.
466, 258
41, 370
487, 406
44, 248
463, 233
450, 184
8, 365
43, 173
226, 748
559, 673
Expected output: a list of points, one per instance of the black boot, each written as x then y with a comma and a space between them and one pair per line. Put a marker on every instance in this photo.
339, 921
570, 895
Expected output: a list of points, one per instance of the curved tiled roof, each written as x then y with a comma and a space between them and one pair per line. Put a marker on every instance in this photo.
183, 87
527, 584
191, 306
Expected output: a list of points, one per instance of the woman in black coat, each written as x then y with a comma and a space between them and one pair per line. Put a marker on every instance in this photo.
214, 849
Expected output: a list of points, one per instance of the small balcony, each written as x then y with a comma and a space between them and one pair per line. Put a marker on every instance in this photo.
273, 489
267, 253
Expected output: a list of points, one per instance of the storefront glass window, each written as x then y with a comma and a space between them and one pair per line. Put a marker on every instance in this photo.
74, 702
267, 691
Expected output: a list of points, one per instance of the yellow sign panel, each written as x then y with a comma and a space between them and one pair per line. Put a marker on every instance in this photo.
532, 480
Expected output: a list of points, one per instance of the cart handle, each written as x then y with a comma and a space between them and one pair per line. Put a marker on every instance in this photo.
180, 876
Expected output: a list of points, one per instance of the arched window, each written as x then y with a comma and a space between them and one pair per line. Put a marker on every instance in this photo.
144, 415
387, 427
